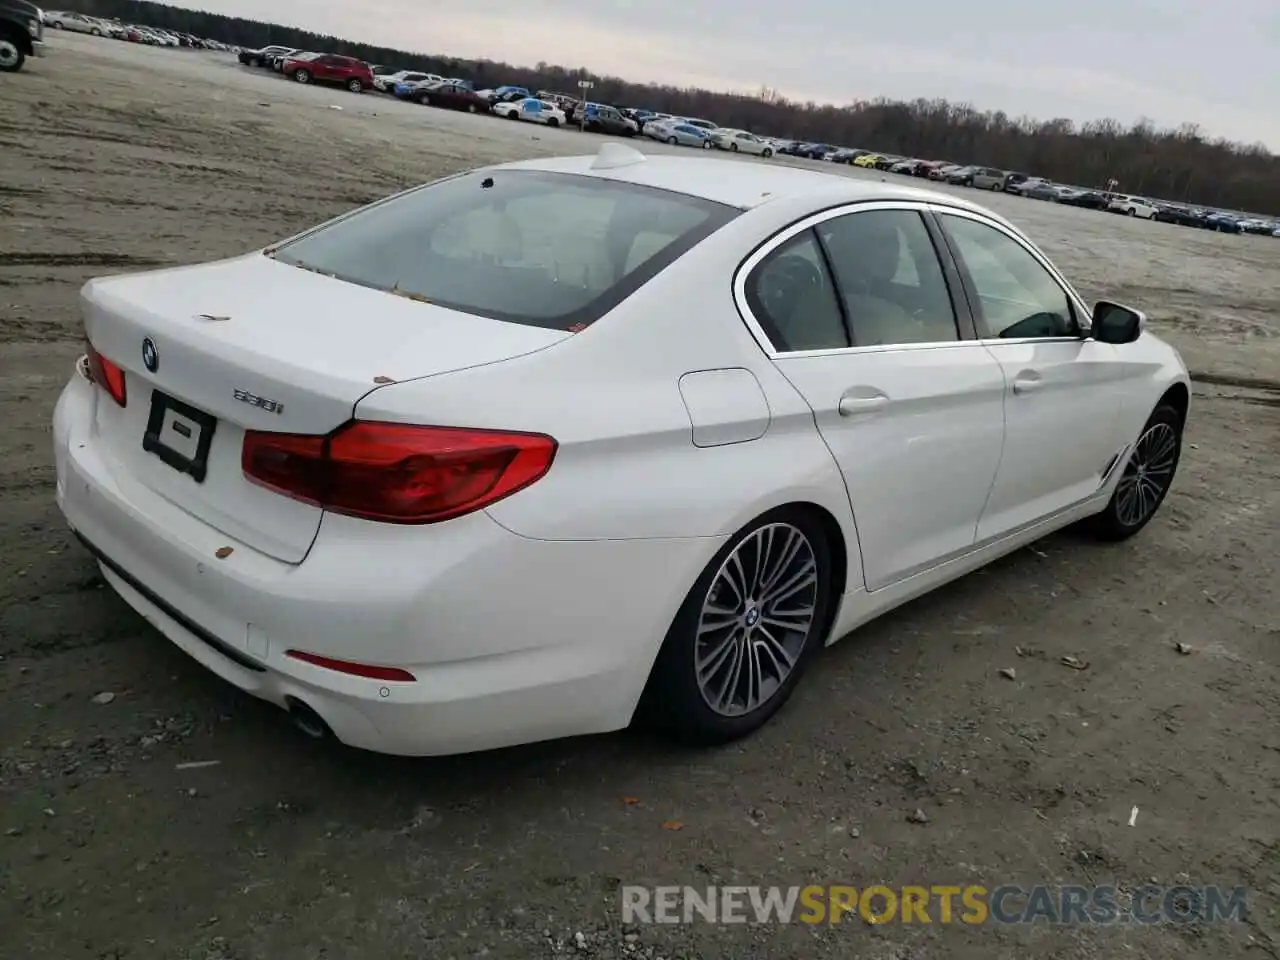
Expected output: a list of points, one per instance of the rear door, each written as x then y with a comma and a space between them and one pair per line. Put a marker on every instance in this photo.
861, 313
328, 67
1064, 391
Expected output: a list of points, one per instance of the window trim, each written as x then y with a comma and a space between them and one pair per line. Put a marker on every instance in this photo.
1077, 303
950, 271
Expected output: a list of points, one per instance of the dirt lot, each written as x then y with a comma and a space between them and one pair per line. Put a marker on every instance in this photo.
114, 157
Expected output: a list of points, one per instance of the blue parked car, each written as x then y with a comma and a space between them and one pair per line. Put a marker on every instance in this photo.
408, 90
508, 93
815, 151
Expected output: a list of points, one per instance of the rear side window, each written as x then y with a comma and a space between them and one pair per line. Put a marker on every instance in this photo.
791, 295
546, 249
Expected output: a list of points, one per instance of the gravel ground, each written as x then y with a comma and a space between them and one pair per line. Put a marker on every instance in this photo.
114, 157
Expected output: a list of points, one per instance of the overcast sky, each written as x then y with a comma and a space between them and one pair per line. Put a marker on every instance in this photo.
1211, 62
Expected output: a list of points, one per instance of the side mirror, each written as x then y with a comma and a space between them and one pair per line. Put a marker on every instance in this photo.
1116, 323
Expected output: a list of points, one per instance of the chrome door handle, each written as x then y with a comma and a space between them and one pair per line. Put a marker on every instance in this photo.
852, 406
1026, 385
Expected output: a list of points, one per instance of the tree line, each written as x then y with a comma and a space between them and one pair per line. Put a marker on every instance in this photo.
1179, 165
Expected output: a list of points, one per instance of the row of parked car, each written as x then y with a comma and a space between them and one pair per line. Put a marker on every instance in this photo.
1037, 188
118, 30
511, 102
553, 109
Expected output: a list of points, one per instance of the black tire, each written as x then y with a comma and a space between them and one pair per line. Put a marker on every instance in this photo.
552, 122
674, 141
767, 153
12, 56
472, 108
1133, 212
1114, 523
355, 85
302, 76
733, 147
424, 99
673, 703
513, 115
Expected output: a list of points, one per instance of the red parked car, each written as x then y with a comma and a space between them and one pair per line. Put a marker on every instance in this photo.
355, 75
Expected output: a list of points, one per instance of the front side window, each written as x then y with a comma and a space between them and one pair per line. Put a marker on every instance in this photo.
545, 249
1017, 296
890, 278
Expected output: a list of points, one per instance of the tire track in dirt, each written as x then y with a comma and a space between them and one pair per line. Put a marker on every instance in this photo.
1228, 380
89, 259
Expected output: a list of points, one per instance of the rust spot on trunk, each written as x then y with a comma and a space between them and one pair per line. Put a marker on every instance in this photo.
223, 552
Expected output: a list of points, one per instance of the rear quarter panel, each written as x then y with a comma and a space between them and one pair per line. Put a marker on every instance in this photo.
627, 466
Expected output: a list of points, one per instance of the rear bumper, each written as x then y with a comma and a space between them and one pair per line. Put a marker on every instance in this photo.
511, 640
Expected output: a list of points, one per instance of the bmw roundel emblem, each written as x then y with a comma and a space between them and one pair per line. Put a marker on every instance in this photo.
150, 355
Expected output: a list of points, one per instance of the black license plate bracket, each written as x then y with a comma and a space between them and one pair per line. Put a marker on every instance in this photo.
180, 435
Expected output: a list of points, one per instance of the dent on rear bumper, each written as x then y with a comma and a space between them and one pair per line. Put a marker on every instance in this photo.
512, 639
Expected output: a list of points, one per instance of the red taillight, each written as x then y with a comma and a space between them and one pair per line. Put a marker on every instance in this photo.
398, 473
106, 374
367, 670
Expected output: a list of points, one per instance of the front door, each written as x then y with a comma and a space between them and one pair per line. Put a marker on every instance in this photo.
1064, 391
862, 319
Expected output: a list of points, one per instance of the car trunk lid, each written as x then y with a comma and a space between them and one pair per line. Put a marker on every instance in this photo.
254, 344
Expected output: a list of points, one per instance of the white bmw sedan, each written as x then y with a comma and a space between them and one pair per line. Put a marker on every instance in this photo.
540, 448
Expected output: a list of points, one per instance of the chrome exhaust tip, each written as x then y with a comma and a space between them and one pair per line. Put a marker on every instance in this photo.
307, 720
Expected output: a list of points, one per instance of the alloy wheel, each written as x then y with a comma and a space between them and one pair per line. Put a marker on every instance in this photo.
755, 619
1147, 477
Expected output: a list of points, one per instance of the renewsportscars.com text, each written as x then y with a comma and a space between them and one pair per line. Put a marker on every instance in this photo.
1007, 904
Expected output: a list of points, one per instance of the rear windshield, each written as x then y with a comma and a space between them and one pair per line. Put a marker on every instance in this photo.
545, 249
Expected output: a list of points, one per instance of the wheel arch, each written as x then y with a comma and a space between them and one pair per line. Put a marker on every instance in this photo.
839, 574
17, 36
1177, 396
644, 705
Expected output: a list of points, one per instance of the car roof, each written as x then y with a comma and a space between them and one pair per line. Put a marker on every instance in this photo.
739, 183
